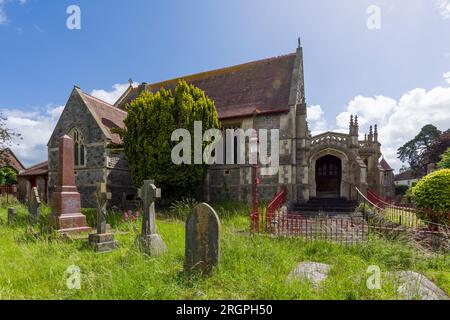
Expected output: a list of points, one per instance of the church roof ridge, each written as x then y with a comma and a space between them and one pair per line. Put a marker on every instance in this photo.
101, 101
214, 72
236, 90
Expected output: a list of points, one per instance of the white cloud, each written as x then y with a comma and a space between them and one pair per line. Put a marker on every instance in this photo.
399, 121
36, 128
316, 119
447, 77
444, 7
113, 95
3, 17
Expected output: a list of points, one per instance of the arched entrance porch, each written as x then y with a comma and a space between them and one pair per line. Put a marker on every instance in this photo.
328, 177
328, 171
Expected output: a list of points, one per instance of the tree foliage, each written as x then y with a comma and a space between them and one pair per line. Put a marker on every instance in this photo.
432, 192
414, 150
445, 160
6, 139
7, 176
151, 120
434, 152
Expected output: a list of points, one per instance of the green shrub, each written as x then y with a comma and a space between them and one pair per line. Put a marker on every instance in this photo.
445, 160
432, 192
401, 190
152, 119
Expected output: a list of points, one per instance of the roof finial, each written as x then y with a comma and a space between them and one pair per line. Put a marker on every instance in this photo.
130, 81
356, 120
299, 42
351, 120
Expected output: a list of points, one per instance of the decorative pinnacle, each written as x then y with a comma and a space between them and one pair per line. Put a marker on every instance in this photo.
356, 120
299, 42
130, 81
351, 120
376, 129
371, 130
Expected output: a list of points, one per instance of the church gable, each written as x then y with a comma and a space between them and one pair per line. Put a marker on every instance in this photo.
77, 115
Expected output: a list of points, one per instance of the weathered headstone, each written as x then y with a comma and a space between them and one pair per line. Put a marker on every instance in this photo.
202, 239
66, 215
34, 203
102, 241
12, 215
150, 240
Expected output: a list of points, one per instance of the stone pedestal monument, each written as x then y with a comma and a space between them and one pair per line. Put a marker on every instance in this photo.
150, 240
102, 241
66, 215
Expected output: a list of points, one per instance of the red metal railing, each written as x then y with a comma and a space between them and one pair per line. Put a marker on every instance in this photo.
8, 190
428, 227
274, 205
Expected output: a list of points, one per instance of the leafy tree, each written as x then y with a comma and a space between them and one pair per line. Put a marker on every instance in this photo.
431, 192
6, 138
445, 160
400, 190
151, 120
436, 149
7, 176
413, 151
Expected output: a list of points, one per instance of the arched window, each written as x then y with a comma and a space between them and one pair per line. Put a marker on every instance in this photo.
79, 149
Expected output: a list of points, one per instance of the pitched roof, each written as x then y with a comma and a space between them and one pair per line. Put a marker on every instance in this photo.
385, 165
36, 170
9, 159
107, 116
406, 175
238, 90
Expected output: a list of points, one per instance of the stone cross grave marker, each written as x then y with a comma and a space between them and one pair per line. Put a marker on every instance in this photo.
102, 241
150, 240
202, 240
12, 215
34, 202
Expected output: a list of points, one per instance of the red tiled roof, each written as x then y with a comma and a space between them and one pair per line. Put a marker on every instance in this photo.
9, 159
36, 170
106, 115
238, 90
385, 165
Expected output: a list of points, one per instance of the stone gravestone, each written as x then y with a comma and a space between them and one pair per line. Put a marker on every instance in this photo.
202, 239
102, 241
34, 203
150, 240
12, 215
66, 215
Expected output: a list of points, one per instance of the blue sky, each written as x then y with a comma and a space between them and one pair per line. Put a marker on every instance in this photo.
394, 76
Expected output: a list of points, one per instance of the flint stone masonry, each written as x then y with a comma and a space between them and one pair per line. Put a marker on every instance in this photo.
102, 164
313, 272
202, 240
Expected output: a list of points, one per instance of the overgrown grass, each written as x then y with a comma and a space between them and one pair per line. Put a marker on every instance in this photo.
33, 265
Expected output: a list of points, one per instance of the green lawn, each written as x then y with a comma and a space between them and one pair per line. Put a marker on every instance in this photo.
33, 265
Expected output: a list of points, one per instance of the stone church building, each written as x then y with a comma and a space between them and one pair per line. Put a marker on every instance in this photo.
265, 94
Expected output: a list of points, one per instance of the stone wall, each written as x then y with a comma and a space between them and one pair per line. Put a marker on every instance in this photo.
76, 115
